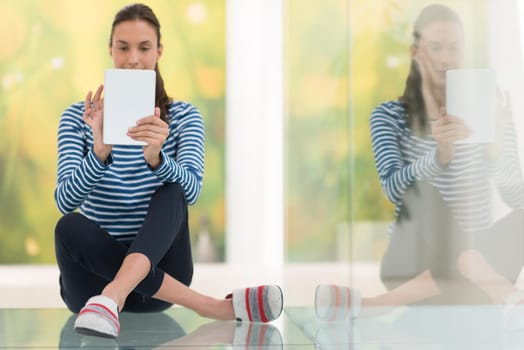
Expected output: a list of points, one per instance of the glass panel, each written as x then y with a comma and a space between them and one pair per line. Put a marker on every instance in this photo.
316, 43
450, 208
317, 152
435, 175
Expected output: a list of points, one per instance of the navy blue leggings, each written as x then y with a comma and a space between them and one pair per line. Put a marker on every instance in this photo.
88, 257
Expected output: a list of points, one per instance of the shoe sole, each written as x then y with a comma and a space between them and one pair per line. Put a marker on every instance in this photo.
92, 332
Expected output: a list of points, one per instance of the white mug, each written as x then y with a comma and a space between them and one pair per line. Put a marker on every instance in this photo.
471, 94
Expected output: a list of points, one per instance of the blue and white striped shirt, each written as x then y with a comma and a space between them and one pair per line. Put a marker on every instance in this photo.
117, 195
402, 159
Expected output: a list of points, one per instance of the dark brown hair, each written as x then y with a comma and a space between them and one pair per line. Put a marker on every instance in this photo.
412, 99
144, 13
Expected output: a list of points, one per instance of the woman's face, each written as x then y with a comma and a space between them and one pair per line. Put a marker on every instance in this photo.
439, 49
134, 45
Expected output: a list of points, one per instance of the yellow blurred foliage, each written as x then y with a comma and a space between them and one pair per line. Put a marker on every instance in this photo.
211, 81
52, 53
316, 92
13, 31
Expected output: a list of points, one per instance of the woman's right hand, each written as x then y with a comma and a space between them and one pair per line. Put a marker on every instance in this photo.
448, 129
94, 117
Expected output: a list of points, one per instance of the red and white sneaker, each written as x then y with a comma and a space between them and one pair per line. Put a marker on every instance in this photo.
257, 304
99, 317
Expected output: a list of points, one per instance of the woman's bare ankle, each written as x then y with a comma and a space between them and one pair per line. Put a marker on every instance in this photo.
111, 292
217, 309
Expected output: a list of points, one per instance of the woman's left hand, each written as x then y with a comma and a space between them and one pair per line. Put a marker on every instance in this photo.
153, 131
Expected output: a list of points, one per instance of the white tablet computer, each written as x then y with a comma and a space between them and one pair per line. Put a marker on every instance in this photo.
129, 94
471, 94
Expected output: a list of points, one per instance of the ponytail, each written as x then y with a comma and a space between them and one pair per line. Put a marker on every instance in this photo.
162, 100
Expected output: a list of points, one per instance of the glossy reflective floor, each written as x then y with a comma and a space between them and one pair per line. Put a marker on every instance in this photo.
421, 327
176, 328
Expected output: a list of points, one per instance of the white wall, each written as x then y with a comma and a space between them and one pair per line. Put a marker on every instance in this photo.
254, 132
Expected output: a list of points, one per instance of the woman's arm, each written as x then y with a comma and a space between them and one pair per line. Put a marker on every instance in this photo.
78, 169
185, 164
395, 174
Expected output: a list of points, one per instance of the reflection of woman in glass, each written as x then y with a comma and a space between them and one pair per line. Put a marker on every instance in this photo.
441, 190
129, 247
444, 246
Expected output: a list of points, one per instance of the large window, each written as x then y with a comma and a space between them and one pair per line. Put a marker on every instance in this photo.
52, 53
340, 59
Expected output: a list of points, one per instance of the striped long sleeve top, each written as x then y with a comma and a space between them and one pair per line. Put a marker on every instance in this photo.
465, 183
116, 195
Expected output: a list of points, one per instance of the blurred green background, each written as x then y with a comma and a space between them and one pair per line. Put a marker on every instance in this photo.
341, 59
52, 53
